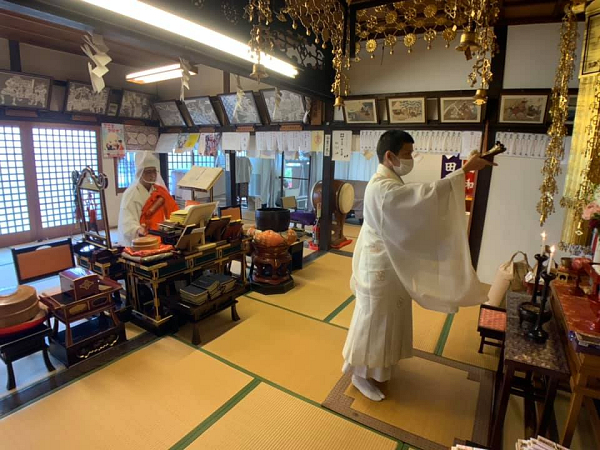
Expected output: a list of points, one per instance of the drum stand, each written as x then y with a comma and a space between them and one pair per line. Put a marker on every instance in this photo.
337, 230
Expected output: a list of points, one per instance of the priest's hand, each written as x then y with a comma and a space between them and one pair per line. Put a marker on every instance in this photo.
476, 162
142, 230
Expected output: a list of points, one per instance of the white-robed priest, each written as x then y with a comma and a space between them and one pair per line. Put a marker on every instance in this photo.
413, 245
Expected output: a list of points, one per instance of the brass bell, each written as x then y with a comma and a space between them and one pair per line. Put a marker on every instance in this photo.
339, 102
468, 43
258, 72
480, 97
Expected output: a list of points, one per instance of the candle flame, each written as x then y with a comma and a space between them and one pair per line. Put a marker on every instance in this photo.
552, 249
543, 235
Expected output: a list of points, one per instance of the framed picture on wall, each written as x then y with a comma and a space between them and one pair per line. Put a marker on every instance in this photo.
169, 114
81, 98
291, 106
459, 110
591, 54
201, 111
571, 109
407, 110
243, 112
22, 90
530, 109
361, 111
136, 105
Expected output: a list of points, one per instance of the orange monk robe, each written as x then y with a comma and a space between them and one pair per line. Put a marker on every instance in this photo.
157, 208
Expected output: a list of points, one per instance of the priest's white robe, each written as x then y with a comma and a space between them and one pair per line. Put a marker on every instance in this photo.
413, 245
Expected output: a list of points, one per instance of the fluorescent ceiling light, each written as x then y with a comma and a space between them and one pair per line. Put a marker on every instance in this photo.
156, 74
151, 15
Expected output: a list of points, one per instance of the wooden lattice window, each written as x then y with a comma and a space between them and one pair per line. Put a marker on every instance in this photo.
124, 171
14, 214
59, 151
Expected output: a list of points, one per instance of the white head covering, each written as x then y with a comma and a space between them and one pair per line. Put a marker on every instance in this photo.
144, 160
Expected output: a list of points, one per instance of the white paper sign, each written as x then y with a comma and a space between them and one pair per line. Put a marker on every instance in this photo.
341, 145
166, 142
244, 139
253, 151
231, 141
318, 139
327, 145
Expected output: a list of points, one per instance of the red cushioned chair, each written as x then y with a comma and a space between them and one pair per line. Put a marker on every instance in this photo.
491, 325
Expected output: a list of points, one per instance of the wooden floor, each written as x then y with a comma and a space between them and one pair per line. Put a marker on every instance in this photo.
253, 384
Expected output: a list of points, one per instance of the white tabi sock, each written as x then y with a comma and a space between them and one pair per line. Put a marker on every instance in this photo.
367, 388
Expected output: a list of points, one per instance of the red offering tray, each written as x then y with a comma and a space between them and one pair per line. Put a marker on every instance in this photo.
37, 320
581, 313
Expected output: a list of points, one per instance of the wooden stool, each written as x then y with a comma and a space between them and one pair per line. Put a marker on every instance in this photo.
491, 325
20, 345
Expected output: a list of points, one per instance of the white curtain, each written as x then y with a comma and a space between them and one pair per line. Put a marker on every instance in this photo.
358, 168
264, 182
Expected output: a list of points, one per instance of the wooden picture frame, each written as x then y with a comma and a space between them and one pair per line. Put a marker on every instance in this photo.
240, 117
406, 110
136, 105
591, 62
24, 91
459, 110
292, 107
95, 103
527, 109
361, 111
169, 114
199, 113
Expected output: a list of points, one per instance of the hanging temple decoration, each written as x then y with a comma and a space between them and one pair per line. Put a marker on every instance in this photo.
559, 112
383, 26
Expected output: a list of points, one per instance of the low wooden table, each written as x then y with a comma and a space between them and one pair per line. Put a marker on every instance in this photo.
575, 313
197, 313
546, 360
20, 345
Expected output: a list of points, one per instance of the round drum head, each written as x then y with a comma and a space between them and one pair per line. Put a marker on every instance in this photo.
345, 198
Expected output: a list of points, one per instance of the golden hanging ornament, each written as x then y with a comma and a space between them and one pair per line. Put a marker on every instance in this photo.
480, 97
409, 40
559, 112
371, 46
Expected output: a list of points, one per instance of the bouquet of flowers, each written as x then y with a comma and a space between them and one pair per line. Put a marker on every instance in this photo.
591, 211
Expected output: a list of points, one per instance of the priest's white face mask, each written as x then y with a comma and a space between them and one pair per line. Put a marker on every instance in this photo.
402, 166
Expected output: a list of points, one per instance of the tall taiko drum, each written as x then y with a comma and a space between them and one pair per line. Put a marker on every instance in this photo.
341, 202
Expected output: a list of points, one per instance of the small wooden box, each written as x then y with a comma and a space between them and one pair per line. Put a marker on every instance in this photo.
82, 282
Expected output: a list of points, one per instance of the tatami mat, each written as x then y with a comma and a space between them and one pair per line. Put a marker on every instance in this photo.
320, 287
148, 400
351, 230
463, 341
427, 325
257, 422
298, 353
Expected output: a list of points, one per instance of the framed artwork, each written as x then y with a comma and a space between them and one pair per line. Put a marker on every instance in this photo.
291, 107
169, 114
81, 98
361, 111
113, 108
571, 109
201, 111
21, 90
591, 56
244, 113
523, 108
407, 110
136, 105
459, 110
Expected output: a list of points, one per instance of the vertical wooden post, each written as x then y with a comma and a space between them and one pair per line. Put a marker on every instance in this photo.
326, 207
14, 51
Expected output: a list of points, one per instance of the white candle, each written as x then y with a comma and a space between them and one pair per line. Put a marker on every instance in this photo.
543, 249
551, 263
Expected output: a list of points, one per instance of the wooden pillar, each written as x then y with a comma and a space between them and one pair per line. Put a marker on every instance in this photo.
230, 178
14, 51
484, 177
326, 207
164, 168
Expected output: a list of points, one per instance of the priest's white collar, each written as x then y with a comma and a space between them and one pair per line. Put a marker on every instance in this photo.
388, 173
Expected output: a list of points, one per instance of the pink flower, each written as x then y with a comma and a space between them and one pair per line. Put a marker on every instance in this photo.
590, 210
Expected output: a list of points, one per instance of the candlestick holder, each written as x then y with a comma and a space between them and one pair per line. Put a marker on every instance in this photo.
529, 311
538, 334
540, 267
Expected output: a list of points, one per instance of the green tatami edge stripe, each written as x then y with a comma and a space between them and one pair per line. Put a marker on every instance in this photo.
214, 417
281, 388
247, 294
339, 309
439, 348
85, 375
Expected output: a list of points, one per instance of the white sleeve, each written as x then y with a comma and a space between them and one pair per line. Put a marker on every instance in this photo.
129, 219
423, 226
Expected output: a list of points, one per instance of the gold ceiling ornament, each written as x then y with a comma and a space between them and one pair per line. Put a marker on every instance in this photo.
558, 112
391, 17
480, 97
409, 40
449, 35
390, 41
429, 37
430, 11
357, 48
371, 46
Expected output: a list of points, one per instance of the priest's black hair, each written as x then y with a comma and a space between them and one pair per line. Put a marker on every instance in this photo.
392, 140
